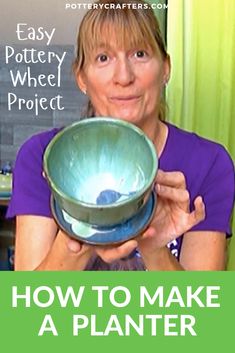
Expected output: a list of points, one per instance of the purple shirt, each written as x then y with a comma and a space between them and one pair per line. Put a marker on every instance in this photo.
208, 169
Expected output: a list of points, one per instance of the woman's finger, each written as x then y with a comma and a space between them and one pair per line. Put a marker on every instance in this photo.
199, 212
173, 179
173, 194
112, 253
73, 246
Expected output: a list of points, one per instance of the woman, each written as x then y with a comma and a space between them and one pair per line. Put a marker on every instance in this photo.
122, 65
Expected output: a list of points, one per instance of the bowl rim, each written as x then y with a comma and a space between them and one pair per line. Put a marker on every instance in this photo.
91, 120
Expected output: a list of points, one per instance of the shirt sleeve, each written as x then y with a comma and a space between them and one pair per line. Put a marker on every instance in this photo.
218, 192
30, 194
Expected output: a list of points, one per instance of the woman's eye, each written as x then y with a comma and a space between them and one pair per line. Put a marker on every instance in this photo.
140, 54
102, 58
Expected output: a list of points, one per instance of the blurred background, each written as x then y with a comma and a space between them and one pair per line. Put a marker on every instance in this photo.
200, 38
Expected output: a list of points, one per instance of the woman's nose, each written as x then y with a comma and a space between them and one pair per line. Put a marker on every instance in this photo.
124, 73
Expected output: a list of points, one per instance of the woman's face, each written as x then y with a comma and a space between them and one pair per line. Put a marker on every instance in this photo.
125, 84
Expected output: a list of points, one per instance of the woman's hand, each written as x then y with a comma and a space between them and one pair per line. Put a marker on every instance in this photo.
108, 253
111, 253
66, 254
172, 217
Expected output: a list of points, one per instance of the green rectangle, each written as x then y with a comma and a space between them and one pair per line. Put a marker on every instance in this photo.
123, 319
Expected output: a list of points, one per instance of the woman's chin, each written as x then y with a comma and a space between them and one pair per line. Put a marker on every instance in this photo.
126, 115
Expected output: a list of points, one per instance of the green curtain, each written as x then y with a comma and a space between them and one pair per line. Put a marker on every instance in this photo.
201, 92
160, 10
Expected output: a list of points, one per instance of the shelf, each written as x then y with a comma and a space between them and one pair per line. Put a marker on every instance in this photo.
7, 226
4, 201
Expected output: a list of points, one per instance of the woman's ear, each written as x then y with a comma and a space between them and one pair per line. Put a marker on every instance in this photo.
167, 69
81, 81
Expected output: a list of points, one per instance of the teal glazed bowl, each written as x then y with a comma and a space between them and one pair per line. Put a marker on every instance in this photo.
101, 170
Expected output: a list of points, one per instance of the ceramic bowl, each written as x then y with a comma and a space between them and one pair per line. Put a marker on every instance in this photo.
101, 170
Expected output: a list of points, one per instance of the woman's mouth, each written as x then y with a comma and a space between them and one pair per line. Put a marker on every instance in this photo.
124, 99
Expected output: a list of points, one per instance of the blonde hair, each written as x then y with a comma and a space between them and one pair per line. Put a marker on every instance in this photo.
134, 25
